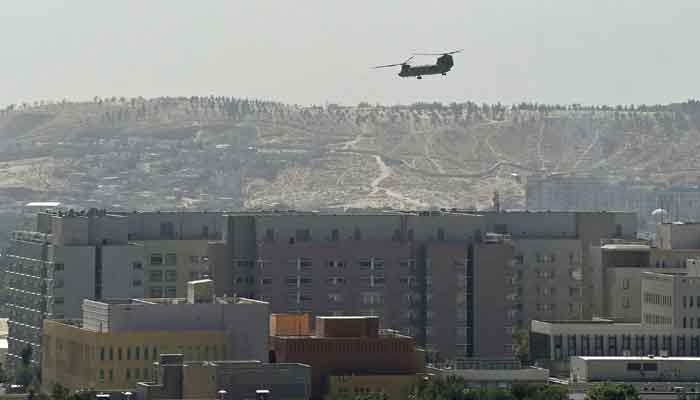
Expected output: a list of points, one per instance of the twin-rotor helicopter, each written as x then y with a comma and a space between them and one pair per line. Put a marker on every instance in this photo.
442, 66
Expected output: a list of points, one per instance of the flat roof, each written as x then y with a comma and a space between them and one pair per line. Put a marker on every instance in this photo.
43, 204
637, 358
626, 247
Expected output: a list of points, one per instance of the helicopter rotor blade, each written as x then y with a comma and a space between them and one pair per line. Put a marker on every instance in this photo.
395, 65
438, 54
385, 66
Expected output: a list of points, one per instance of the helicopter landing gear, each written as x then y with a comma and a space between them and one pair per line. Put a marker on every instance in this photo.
419, 77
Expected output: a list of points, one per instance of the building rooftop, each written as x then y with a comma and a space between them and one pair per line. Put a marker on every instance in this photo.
627, 247
638, 358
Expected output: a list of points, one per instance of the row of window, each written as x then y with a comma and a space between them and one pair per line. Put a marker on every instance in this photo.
659, 299
157, 275
687, 303
136, 375
614, 345
690, 322
304, 235
157, 259
656, 319
159, 292
149, 353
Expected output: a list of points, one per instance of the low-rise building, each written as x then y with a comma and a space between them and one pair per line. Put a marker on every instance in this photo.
670, 316
635, 369
498, 373
343, 346
177, 379
116, 342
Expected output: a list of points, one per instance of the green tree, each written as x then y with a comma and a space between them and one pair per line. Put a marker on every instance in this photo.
59, 392
609, 391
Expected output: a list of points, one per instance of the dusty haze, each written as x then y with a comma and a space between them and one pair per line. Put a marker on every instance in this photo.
597, 52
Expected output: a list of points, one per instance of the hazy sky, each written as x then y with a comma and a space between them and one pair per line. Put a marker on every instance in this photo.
314, 51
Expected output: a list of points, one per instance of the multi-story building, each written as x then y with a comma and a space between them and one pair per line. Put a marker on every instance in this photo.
420, 273
71, 256
670, 314
585, 193
348, 345
179, 379
116, 342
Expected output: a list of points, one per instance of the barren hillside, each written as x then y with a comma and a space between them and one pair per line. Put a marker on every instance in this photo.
223, 153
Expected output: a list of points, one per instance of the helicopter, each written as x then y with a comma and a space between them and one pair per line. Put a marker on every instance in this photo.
443, 65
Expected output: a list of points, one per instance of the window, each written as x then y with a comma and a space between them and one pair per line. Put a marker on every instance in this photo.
136, 266
128, 353
441, 234
119, 354
137, 373
137, 353
205, 231
171, 259
102, 357
111, 375
156, 292
519, 259
102, 376
410, 235
626, 303
155, 276
269, 235
171, 276
194, 275
111, 354
335, 235
128, 374
625, 284
170, 291
58, 300
500, 229
266, 281
396, 236
58, 267
650, 366
634, 366
156, 259
145, 353
357, 235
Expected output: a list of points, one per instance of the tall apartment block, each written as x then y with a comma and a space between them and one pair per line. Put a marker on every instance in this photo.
459, 282
71, 256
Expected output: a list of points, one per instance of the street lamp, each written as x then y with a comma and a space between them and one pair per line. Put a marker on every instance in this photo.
222, 393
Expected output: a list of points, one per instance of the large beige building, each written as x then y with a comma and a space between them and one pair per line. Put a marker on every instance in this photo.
116, 342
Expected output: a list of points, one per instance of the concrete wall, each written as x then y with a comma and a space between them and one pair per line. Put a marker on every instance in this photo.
246, 325
190, 225
627, 369
78, 278
492, 262
120, 274
678, 236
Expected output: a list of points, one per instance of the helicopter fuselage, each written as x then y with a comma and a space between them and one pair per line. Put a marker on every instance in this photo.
442, 66
419, 70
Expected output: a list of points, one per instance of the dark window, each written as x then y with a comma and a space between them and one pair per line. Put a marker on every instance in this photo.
58, 267
396, 236
410, 235
501, 229
269, 235
441, 234
357, 235
156, 259
335, 235
634, 366
205, 231
136, 266
618, 230
650, 366
171, 259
